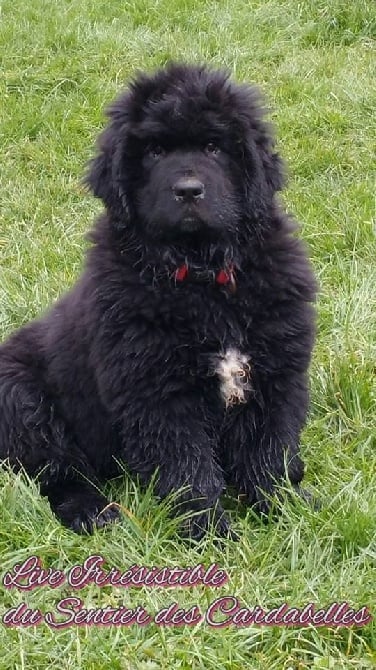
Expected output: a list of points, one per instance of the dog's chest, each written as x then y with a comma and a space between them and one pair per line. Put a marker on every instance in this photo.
233, 371
217, 340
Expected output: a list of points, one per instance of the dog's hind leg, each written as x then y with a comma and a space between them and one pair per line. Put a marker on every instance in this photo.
79, 505
35, 437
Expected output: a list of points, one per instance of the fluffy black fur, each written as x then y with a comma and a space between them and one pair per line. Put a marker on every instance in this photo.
123, 367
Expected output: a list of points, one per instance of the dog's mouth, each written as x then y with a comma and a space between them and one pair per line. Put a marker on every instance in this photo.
188, 224
191, 229
191, 223
191, 218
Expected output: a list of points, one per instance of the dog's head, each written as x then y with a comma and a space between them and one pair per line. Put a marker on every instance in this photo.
186, 154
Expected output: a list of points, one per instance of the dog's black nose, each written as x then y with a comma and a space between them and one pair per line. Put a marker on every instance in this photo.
188, 188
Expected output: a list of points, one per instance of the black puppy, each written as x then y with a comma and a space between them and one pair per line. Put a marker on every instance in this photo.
185, 344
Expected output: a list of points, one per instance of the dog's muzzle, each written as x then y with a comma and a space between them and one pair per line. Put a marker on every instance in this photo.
188, 189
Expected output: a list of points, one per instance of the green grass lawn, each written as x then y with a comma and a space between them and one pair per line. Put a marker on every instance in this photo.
61, 62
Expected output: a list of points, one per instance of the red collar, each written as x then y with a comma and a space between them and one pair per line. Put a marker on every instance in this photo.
223, 277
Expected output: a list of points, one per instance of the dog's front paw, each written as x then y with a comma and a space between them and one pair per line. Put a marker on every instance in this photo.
197, 526
268, 508
82, 512
309, 498
96, 516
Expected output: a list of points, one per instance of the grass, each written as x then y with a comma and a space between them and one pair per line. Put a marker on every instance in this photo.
61, 62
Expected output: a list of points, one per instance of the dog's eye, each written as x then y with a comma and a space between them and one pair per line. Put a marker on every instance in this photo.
156, 151
211, 148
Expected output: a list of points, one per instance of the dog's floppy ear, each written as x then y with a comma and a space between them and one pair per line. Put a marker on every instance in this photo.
264, 173
105, 176
274, 171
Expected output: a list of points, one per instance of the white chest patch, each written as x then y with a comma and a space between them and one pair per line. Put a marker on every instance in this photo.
234, 372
